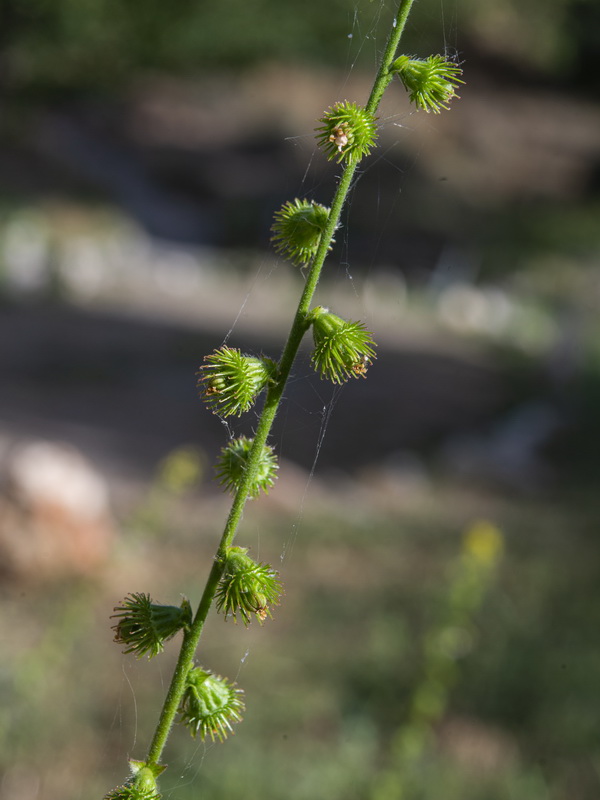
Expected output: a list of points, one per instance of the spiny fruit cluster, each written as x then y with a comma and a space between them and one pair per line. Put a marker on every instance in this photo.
297, 230
144, 626
230, 382
347, 133
430, 82
141, 784
247, 588
233, 462
210, 704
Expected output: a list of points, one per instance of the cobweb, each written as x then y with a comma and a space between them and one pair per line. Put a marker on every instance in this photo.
365, 35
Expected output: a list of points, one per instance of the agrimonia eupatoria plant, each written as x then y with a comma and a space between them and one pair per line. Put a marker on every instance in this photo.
449, 638
230, 383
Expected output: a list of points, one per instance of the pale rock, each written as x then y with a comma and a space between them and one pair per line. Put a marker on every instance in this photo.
55, 518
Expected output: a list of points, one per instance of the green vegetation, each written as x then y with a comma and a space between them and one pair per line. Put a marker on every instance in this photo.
330, 680
103, 44
401, 664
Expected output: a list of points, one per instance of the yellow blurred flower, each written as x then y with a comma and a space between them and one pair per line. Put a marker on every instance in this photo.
181, 469
484, 542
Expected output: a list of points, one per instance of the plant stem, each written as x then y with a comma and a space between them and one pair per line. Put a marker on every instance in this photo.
299, 327
384, 76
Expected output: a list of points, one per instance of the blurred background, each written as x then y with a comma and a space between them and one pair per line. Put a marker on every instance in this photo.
436, 526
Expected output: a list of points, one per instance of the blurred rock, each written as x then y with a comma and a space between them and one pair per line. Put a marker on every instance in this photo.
54, 513
476, 746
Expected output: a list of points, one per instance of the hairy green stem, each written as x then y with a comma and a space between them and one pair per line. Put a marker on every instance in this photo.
384, 76
299, 327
